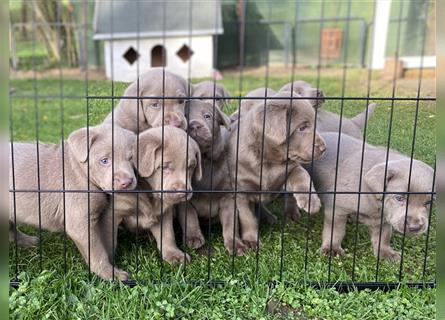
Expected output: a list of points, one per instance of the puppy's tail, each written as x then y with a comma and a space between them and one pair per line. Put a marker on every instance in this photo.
360, 119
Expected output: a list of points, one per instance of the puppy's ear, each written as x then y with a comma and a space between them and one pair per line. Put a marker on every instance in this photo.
148, 145
223, 119
226, 99
375, 177
78, 143
198, 170
134, 107
275, 127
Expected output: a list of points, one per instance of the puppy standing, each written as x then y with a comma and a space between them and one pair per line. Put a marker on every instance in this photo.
155, 83
76, 159
329, 121
395, 205
176, 172
207, 89
208, 126
277, 113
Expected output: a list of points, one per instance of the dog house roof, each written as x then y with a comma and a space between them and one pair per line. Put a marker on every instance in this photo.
155, 18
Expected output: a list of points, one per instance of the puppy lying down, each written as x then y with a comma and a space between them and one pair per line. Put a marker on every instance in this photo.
394, 203
176, 172
78, 208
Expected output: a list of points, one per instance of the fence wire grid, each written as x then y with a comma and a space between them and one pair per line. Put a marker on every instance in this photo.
287, 251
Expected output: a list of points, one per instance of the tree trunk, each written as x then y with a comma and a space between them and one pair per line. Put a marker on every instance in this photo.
61, 39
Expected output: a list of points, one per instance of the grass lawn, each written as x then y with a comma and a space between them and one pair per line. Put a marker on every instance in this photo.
52, 294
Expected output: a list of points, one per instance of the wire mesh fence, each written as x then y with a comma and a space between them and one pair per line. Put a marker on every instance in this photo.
258, 173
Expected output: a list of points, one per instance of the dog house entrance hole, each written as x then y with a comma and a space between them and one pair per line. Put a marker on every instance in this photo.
158, 56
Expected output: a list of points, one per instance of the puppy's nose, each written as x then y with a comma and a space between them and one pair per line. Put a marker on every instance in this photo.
173, 121
194, 126
416, 227
123, 183
321, 148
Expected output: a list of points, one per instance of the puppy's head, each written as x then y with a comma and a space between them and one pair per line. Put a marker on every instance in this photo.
205, 122
288, 119
167, 168
109, 159
155, 111
211, 89
397, 204
304, 89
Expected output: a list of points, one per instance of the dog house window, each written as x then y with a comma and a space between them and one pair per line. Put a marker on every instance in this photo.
158, 56
131, 55
185, 53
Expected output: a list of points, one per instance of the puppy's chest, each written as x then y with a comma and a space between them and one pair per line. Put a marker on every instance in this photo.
214, 176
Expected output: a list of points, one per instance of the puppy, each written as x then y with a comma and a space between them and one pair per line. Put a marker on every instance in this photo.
248, 103
87, 153
394, 205
329, 121
304, 89
211, 89
278, 113
176, 171
209, 127
138, 115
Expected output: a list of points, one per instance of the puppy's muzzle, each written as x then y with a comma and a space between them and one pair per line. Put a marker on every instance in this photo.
415, 225
175, 121
124, 183
181, 195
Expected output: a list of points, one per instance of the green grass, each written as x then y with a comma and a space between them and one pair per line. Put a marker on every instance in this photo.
52, 293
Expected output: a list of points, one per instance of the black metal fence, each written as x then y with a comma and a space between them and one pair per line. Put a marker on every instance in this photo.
289, 251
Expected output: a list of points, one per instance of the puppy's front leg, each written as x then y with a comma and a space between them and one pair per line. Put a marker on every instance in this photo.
165, 240
386, 252
248, 223
336, 232
189, 221
300, 181
98, 255
230, 227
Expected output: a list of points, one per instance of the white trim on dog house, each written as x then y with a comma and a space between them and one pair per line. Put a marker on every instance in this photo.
380, 38
139, 35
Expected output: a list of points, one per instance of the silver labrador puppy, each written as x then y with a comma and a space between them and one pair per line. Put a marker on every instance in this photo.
138, 115
50, 208
394, 205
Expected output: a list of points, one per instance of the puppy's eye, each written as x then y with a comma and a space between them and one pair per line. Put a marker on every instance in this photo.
207, 116
181, 101
155, 105
105, 161
303, 127
166, 166
400, 198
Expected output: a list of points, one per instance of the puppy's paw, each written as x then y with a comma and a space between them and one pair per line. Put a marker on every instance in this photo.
303, 202
390, 255
336, 251
251, 241
176, 257
120, 275
107, 273
195, 241
292, 213
28, 241
235, 246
